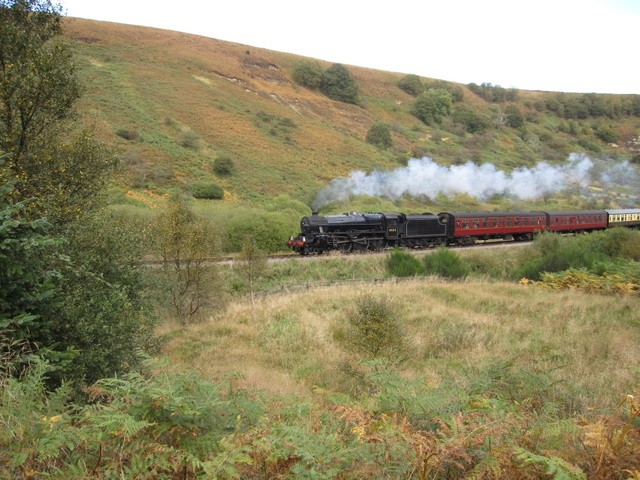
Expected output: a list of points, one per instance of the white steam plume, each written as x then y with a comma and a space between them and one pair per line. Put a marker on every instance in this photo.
425, 178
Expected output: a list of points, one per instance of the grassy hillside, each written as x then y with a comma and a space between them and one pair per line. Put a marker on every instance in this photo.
172, 103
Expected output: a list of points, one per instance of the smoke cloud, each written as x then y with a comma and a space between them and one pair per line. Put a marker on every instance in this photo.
425, 178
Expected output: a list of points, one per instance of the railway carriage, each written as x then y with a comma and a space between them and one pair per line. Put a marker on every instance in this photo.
576, 221
465, 228
629, 218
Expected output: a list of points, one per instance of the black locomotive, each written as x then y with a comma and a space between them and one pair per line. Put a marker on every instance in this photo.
376, 231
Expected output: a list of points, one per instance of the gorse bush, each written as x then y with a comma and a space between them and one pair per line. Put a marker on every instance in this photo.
403, 264
444, 262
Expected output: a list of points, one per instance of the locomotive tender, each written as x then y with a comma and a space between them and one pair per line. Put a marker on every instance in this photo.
376, 231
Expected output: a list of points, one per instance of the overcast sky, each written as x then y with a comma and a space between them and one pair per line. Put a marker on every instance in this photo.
555, 45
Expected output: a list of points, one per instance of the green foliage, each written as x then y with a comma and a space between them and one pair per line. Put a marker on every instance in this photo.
269, 230
621, 242
606, 134
457, 94
373, 329
432, 105
513, 117
403, 264
100, 318
308, 74
224, 165
379, 135
338, 84
493, 93
185, 244
161, 426
38, 81
473, 121
553, 253
411, 84
26, 254
206, 190
444, 262
554, 467
62, 172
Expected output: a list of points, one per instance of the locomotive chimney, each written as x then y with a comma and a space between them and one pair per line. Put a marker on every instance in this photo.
314, 212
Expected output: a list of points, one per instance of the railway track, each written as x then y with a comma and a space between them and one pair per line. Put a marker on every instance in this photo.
282, 257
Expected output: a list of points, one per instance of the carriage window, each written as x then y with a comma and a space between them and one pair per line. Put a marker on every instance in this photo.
465, 224
485, 223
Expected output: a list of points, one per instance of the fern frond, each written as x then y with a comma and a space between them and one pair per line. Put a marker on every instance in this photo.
554, 466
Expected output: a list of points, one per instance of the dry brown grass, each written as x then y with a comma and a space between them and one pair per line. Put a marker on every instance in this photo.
286, 343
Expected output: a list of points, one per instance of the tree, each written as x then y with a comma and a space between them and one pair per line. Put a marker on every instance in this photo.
38, 89
379, 135
26, 253
185, 244
38, 80
100, 319
338, 84
411, 84
308, 74
432, 105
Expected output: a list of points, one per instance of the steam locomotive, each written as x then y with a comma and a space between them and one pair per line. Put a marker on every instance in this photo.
362, 232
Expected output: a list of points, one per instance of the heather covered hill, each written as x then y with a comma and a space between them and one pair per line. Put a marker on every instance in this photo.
174, 106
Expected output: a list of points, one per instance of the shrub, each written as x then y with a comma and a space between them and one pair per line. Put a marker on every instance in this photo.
190, 139
373, 329
131, 135
403, 264
444, 262
513, 117
552, 253
432, 105
206, 190
307, 74
473, 122
379, 135
224, 165
269, 230
338, 84
411, 84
